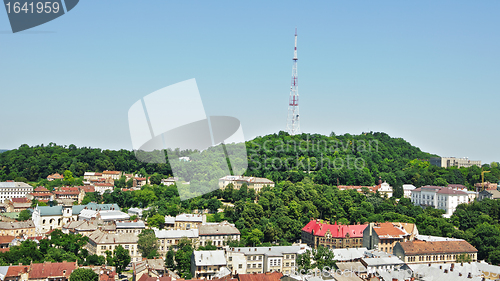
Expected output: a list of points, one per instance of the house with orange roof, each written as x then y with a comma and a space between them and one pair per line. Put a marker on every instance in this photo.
55, 176
333, 236
17, 272
59, 271
384, 236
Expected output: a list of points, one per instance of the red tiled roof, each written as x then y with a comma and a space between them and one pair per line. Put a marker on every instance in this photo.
41, 194
388, 230
111, 172
336, 230
16, 270
441, 247
20, 200
66, 192
55, 176
67, 188
6, 239
103, 184
140, 179
47, 269
3, 250
145, 277
41, 189
88, 188
268, 276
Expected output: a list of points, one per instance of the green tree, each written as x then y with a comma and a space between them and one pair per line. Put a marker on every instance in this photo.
83, 274
183, 258
121, 258
169, 260
156, 220
148, 244
24, 215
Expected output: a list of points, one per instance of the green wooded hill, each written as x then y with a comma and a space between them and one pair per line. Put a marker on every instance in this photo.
343, 159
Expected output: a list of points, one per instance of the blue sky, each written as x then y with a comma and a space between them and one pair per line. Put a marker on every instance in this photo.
426, 71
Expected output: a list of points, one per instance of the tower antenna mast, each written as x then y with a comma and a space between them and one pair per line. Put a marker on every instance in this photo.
293, 124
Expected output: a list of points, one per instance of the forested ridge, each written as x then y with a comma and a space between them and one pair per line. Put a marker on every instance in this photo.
344, 159
303, 191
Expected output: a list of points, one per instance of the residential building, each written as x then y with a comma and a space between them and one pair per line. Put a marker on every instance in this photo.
490, 194
17, 273
169, 239
47, 271
348, 254
115, 175
243, 260
11, 189
433, 251
17, 204
87, 227
373, 264
91, 176
218, 233
136, 212
384, 236
18, 228
252, 182
184, 221
74, 193
130, 227
407, 189
439, 197
384, 189
205, 264
446, 162
55, 176
487, 185
169, 181
322, 233
102, 187
41, 194
100, 242
47, 218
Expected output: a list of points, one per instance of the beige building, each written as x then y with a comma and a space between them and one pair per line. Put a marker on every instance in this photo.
169, 239
252, 182
412, 252
100, 242
446, 162
246, 260
218, 233
185, 221
18, 228
384, 236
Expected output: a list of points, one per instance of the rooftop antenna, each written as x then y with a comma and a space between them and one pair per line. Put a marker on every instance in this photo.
293, 124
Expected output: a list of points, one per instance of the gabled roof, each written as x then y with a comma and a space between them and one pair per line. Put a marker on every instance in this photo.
41, 189
208, 258
318, 228
16, 270
441, 247
100, 237
6, 239
223, 228
393, 230
268, 276
47, 270
20, 200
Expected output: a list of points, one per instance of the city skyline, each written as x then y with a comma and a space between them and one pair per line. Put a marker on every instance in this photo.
422, 71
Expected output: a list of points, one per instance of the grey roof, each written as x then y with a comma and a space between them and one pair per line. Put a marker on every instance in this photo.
13, 184
382, 261
268, 251
202, 258
156, 264
138, 224
433, 272
223, 228
435, 238
100, 237
169, 220
347, 276
409, 187
162, 234
189, 218
3, 271
349, 253
17, 224
351, 266
57, 210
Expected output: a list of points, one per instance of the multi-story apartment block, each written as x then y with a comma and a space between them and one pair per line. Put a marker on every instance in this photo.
169, 239
18, 228
384, 236
439, 197
130, 227
205, 264
184, 221
434, 252
252, 182
218, 233
244, 260
102, 187
446, 162
100, 242
11, 189
322, 233
74, 193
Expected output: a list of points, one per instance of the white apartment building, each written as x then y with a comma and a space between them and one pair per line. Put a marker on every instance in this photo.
252, 182
206, 264
246, 260
439, 197
407, 189
11, 189
218, 233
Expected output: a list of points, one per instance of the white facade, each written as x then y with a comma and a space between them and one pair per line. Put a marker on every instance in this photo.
407, 189
440, 198
10, 190
386, 189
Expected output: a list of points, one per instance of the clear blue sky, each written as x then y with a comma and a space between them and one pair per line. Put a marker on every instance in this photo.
426, 71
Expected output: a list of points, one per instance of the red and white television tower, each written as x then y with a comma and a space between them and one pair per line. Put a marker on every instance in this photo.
292, 124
